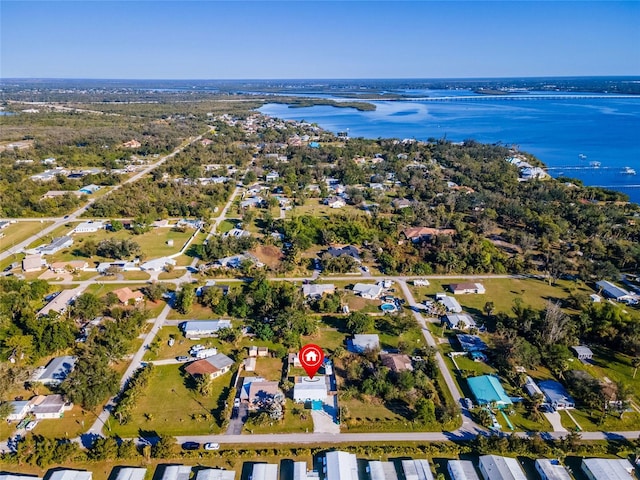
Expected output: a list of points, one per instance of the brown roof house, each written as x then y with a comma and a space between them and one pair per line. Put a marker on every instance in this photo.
396, 362
33, 263
126, 295
213, 366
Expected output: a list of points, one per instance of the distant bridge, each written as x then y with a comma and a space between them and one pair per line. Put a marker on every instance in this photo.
460, 98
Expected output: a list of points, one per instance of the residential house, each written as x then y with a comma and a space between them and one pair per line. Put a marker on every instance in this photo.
307, 389
368, 291
462, 470
610, 290
48, 175
363, 342
133, 143
494, 467
104, 267
272, 176
236, 261
157, 265
255, 351
188, 223
212, 367
487, 390
17, 476
49, 407
530, 173
214, 474
467, 287
335, 202
341, 466
449, 303
583, 352
551, 470
420, 234
89, 189
203, 328
126, 295
4, 224
73, 266
311, 290
556, 395
176, 472
417, 470
70, 475
236, 233
261, 392
251, 202
396, 362
55, 246
379, 470
60, 302
531, 387
56, 370
293, 360
400, 203
607, 469
300, 472
205, 142
19, 409
209, 284
421, 282
459, 321
132, 473
264, 471
89, 227
349, 250
33, 263
471, 343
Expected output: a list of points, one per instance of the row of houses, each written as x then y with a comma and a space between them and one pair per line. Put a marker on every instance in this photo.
40, 407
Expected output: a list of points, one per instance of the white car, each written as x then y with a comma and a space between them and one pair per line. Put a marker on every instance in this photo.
236, 402
31, 425
212, 446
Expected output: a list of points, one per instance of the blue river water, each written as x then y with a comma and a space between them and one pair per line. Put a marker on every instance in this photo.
566, 134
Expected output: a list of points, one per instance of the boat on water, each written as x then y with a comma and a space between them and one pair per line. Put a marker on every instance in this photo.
595, 164
582, 156
628, 171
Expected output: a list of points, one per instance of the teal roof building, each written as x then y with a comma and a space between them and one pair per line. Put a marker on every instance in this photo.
488, 391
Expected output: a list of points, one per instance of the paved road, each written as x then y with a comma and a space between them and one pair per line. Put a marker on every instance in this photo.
75, 215
223, 214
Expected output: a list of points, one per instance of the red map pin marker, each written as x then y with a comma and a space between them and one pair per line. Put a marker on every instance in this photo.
311, 357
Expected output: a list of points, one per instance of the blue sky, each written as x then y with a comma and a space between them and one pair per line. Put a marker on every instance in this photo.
317, 39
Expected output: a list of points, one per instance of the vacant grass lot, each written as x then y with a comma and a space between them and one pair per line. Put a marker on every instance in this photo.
169, 407
269, 368
502, 292
296, 420
19, 232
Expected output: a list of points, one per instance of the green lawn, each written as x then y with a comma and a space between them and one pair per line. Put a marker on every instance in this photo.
197, 312
169, 407
502, 292
226, 225
20, 231
100, 289
269, 368
74, 422
591, 422
293, 422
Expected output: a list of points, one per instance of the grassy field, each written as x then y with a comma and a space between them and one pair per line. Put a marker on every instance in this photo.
502, 292
296, 420
269, 368
74, 422
197, 312
57, 232
20, 231
100, 289
169, 407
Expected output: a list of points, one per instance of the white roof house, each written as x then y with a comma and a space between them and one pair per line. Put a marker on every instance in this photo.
462, 470
363, 342
56, 370
49, 406
341, 466
460, 321
583, 352
236, 233
88, 227
61, 301
55, 246
157, 265
300, 472
607, 469
215, 474
367, 291
417, 470
612, 291
450, 303
18, 476
264, 471
379, 470
203, 328
531, 387
308, 389
494, 467
71, 475
551, 470
318, 290
20, 409
176, 472
131, 473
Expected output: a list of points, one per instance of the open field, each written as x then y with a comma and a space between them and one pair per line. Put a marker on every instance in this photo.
502, 292
20, 231
269, 368
169, 407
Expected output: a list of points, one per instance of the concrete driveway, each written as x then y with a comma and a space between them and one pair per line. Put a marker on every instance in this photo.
554, 420
238, 418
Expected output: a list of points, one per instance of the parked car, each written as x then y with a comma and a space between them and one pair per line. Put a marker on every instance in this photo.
212, 446
31, 425
190, 446
182, 358
236, 402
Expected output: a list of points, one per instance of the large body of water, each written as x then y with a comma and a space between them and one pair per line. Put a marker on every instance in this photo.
566, 134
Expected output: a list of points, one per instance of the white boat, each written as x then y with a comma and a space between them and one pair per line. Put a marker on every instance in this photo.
582, 156
628, 171
595, 164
